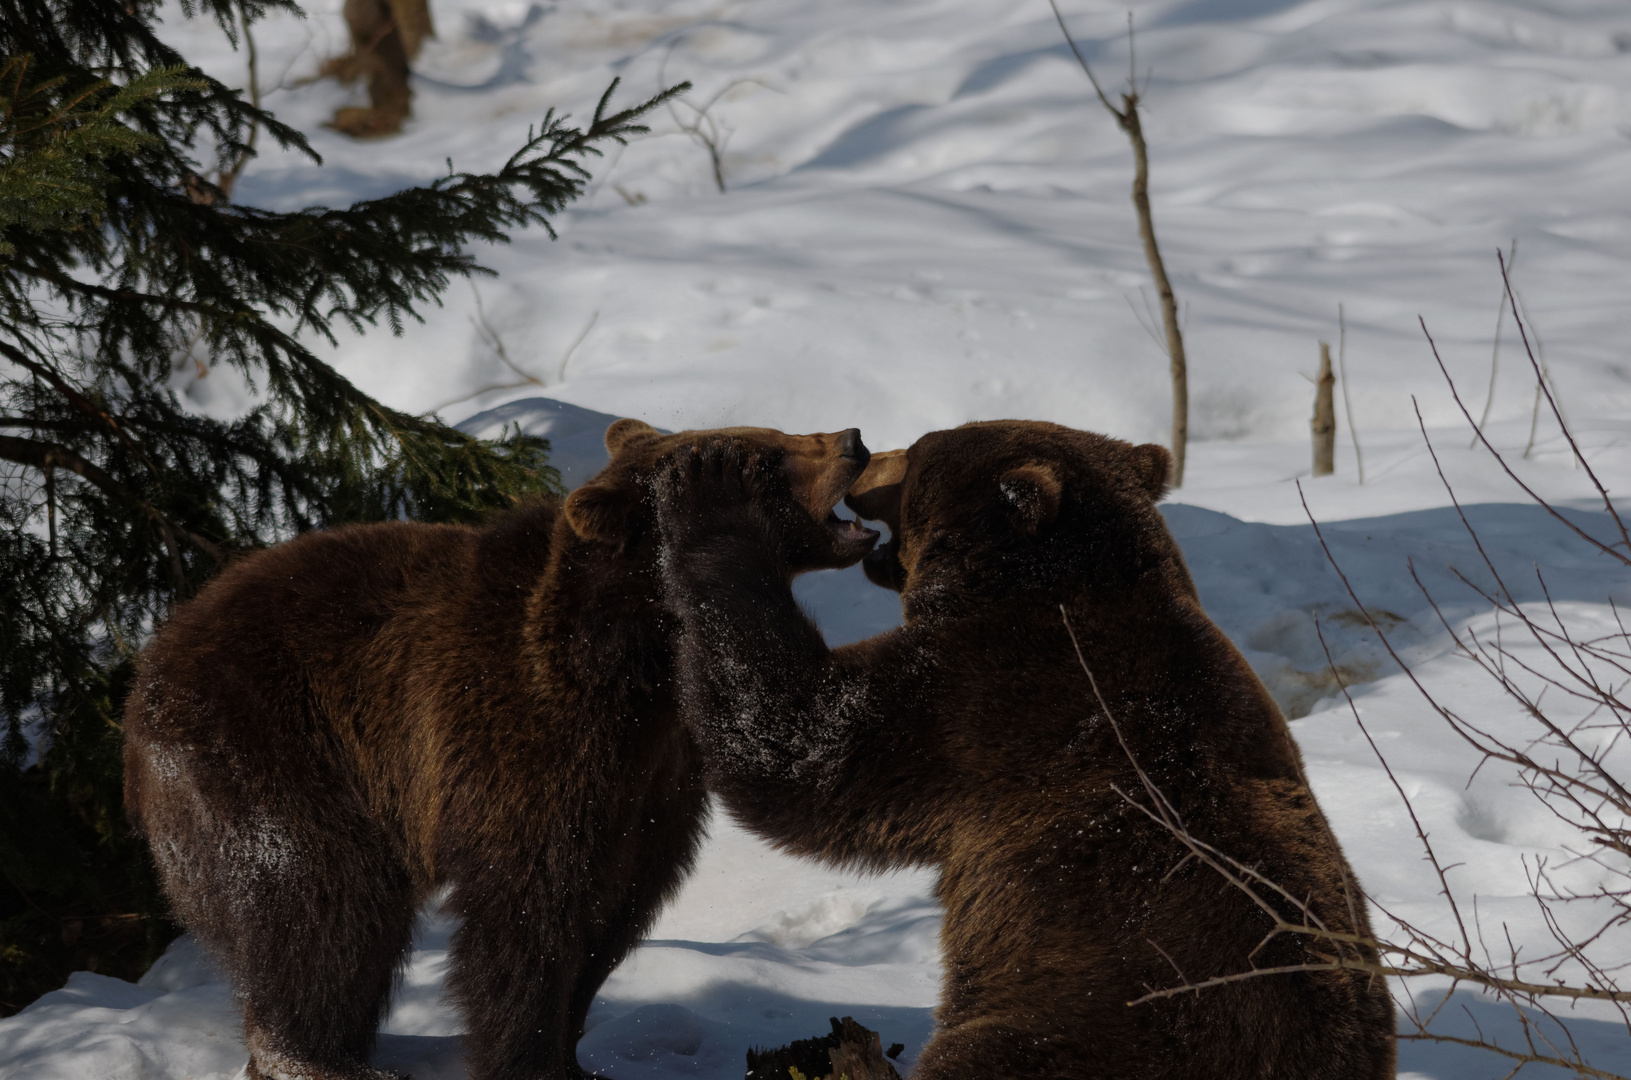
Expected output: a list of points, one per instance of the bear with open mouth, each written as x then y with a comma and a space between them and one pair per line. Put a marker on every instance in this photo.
1114, 803
341, 726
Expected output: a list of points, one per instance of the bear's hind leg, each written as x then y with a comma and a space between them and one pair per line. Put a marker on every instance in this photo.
289, 883
317, 954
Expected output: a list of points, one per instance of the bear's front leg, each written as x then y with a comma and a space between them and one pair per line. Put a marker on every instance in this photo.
516, 962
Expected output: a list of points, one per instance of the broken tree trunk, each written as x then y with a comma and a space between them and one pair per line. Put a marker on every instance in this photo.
1325, 417
850, 1052
859, 1056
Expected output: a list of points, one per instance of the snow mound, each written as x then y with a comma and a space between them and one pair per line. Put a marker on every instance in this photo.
577, 436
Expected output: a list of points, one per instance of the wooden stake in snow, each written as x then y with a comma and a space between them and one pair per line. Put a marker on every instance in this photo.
1127, 118
1325, 416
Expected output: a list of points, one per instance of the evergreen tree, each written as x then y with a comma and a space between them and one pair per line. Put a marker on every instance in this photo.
119, 260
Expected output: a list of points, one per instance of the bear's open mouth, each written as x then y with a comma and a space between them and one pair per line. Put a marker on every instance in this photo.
851, 533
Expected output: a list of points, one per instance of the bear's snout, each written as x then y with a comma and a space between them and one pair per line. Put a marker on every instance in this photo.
852, 448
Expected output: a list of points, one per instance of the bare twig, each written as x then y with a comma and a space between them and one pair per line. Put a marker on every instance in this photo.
571, 350
526, 379
51, 507
1575, 1065
1573, 765
1543, 379
227, 179
1495, 354
490, 337
704, 129
1545, 376
1624, 558
1347, 403
1421, 833
1127, 118
1147, 319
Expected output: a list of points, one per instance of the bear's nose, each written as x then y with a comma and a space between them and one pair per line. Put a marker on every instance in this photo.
850, 446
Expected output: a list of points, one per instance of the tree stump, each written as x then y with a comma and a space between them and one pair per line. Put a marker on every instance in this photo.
849, 1051
1325, 417
859, 1055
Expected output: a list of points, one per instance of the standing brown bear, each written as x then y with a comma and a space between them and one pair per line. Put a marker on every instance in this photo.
971, 739
386, 36
339, 726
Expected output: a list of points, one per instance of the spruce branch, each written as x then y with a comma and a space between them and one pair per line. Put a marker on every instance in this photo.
118, 258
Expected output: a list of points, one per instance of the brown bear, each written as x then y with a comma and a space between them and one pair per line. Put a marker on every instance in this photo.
386, 36
338, 727
972, 739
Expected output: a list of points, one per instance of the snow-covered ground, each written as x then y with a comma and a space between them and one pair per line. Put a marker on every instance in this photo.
927, 222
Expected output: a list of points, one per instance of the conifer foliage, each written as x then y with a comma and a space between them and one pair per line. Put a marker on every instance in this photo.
121, 261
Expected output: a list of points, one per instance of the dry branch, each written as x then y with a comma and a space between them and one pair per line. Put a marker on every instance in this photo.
1495, 353
1127, 118
704, 129
1574, 767
1527, 490
227, 179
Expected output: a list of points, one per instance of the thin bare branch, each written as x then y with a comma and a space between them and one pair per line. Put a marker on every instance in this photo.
1082, 60
1544, 379
1527, 490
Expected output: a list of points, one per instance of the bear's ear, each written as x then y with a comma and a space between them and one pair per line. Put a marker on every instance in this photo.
1032, 493
1152, 465
624, 432
600, 511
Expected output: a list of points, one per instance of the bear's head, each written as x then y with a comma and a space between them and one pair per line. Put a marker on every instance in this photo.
1008, 502
811, 473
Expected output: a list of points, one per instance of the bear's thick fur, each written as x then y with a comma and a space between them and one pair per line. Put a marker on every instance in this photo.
386, 36
340, 726
972, 740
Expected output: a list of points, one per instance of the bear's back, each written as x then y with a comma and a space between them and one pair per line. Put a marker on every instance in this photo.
336, 633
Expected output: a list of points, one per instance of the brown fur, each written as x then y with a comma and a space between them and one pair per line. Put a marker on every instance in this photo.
340, 726
386, 36
971, 740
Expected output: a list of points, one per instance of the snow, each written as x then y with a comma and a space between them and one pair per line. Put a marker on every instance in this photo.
928, 222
